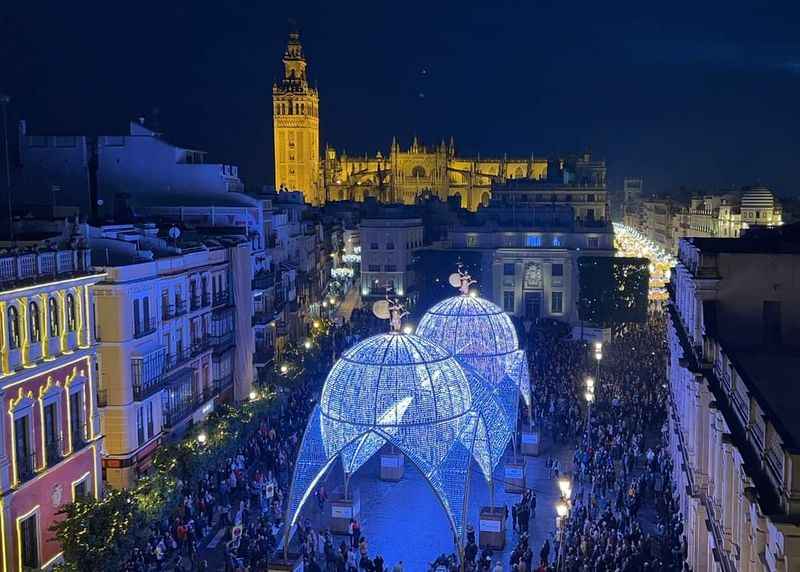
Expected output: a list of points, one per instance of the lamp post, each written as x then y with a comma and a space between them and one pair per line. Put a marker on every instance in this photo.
562, 513
598, 355
589, 396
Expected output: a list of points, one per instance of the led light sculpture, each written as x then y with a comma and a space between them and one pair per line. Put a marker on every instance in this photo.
482, 338
404, 390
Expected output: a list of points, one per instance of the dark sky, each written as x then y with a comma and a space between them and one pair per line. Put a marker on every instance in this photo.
697, 94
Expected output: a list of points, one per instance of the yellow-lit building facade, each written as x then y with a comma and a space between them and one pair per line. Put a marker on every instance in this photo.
399, 177
50, 431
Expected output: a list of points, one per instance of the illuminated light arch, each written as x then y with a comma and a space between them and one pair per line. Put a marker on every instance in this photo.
404, 390
481, 336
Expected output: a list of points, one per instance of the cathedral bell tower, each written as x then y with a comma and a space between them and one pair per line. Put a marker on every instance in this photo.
296, 126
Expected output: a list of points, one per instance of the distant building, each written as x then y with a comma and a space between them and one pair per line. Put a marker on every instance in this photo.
388, 242
531, 236
734, 318
96, 172
52, 441
174, 324
632, 201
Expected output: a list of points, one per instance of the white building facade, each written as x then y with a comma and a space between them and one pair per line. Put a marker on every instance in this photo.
387, 248
734, 314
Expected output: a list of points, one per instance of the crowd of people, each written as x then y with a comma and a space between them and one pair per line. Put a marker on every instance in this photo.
622, 513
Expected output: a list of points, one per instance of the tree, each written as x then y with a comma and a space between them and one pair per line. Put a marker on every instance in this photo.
100, 535
613, 290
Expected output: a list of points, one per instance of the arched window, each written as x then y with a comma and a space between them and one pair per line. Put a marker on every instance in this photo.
35, 323
13, 328
418, 172
72, 316
53, 318
291, 108
302, 109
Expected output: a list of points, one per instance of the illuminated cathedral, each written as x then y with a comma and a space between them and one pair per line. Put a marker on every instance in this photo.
401, 176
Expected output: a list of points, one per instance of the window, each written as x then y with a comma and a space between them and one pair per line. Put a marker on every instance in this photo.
150, 419
140, 425
52, 318
418, 172
23, 449
52, 446
590, 198
72, 316
76, 418
35, 323
373, 246
556, 241
390, 246
137, 323
557, 270
391, 268
29, 541
509, 269
374, 267
592, 242
81, 489
533, 241
508, 301
557, 303
590, 214
13, 328
472, 241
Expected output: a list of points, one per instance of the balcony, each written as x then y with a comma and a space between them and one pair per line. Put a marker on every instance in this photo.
222, 298
26, 463
221, 342
180, 307
53, 452
167, 312
147, 373
145, 328
178, 412
196, 302
222, 383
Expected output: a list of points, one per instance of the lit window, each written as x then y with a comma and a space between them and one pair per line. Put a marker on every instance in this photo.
52, 318
508, 301
557, 303
533, 241
556, 241
13, 328
35, 324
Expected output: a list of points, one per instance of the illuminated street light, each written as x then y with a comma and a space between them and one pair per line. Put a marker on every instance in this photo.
325, 304
589, 395
253, 395
307, 344
561, 509
565, 486
202, 438
284, 368
598, 356
598, 347
590, 384
316, 323
407, 329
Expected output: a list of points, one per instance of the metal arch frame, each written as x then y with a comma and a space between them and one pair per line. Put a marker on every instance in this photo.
466, 439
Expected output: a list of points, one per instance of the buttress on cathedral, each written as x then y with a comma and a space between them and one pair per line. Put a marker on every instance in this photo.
400, 177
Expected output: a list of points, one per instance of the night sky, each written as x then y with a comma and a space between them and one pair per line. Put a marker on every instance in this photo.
696, 94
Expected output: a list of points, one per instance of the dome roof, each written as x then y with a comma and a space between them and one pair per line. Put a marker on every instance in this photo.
758, 198
469, 326
394, 379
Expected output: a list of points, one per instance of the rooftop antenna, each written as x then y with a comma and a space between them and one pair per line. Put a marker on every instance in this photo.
461, 280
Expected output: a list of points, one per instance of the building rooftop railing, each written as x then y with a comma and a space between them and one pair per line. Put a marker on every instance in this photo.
19, 267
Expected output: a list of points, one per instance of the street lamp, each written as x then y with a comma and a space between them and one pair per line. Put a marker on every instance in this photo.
202, 438
284, 368
561, 509
565, 486
307, 344
253, 395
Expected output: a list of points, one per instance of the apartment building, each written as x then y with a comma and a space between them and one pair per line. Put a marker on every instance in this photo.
51, 437
734, 318
174, 325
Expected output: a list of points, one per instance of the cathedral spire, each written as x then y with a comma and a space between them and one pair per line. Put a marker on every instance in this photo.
294, 63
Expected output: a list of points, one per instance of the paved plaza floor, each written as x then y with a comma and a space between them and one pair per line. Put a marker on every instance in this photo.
404, 520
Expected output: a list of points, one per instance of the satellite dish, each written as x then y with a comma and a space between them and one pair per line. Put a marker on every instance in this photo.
455, 280
381, 309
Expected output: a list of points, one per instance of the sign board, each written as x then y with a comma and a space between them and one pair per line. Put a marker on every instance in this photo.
490, 525
514, 472
530, 438
340, 511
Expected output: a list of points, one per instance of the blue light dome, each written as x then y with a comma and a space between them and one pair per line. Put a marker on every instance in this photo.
397, 385
468, 325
